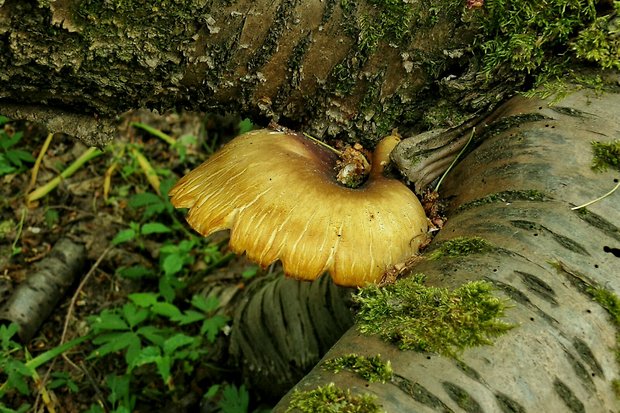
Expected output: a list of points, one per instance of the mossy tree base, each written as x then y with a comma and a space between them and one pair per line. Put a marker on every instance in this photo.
356, 68
545, 258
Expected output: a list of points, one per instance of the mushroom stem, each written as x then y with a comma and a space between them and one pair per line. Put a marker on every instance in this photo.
381, 155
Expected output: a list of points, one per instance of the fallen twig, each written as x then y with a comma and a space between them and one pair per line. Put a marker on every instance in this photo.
597, 199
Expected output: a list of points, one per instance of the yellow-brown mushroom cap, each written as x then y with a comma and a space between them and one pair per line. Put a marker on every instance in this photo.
277, 194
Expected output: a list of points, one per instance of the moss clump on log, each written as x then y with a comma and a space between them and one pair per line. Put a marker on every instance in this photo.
528, 36
416, 317
372, 369
606, 155
332, 399
459, 247
507, 197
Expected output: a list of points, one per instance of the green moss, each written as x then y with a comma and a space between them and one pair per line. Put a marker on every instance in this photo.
546, 39
606, 155
372, 369
611, 303
600, 43
507, 196
608, 300
616, 386
443, 114
459, 247
332, 399
6, 227
385, 20
421, 318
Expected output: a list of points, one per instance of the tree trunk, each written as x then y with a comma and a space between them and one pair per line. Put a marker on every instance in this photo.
331, 67
516, 190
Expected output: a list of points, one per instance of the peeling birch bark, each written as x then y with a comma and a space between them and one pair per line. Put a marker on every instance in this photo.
35, 298
516, 190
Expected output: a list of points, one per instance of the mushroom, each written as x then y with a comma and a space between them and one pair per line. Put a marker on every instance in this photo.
277, 193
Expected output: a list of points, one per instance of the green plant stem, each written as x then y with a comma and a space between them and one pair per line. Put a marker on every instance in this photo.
43, 358
155, 132
37, 163
181, 226
40, 192
20, 227
473, 131
597, 199
147, 169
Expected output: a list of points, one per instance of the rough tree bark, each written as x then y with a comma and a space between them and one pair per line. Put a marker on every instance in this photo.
516, 190
329, 67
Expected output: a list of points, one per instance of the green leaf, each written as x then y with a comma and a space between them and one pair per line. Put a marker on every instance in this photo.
154, 334
206, 304
147, 355
234, 400
144, 299
16, 379
245, 126
212, 391
213, 326
177, 341
181, 146
124, 236
133, 351
16, 156
6, 333
135, 272
164, 187
166, 288
9, 141
113, 342
3, 120
172, 264
108, 320
164, 364
166, 310
250, 272
188, 317
5, 167
155, 228
52, 217
23, 408
152, 203
63, 379
134, 315
144, 199
119, 390
95, 408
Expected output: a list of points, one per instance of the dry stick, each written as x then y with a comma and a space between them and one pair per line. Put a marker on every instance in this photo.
77, 293
323, 144
597, 199
68, 317
45, 395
